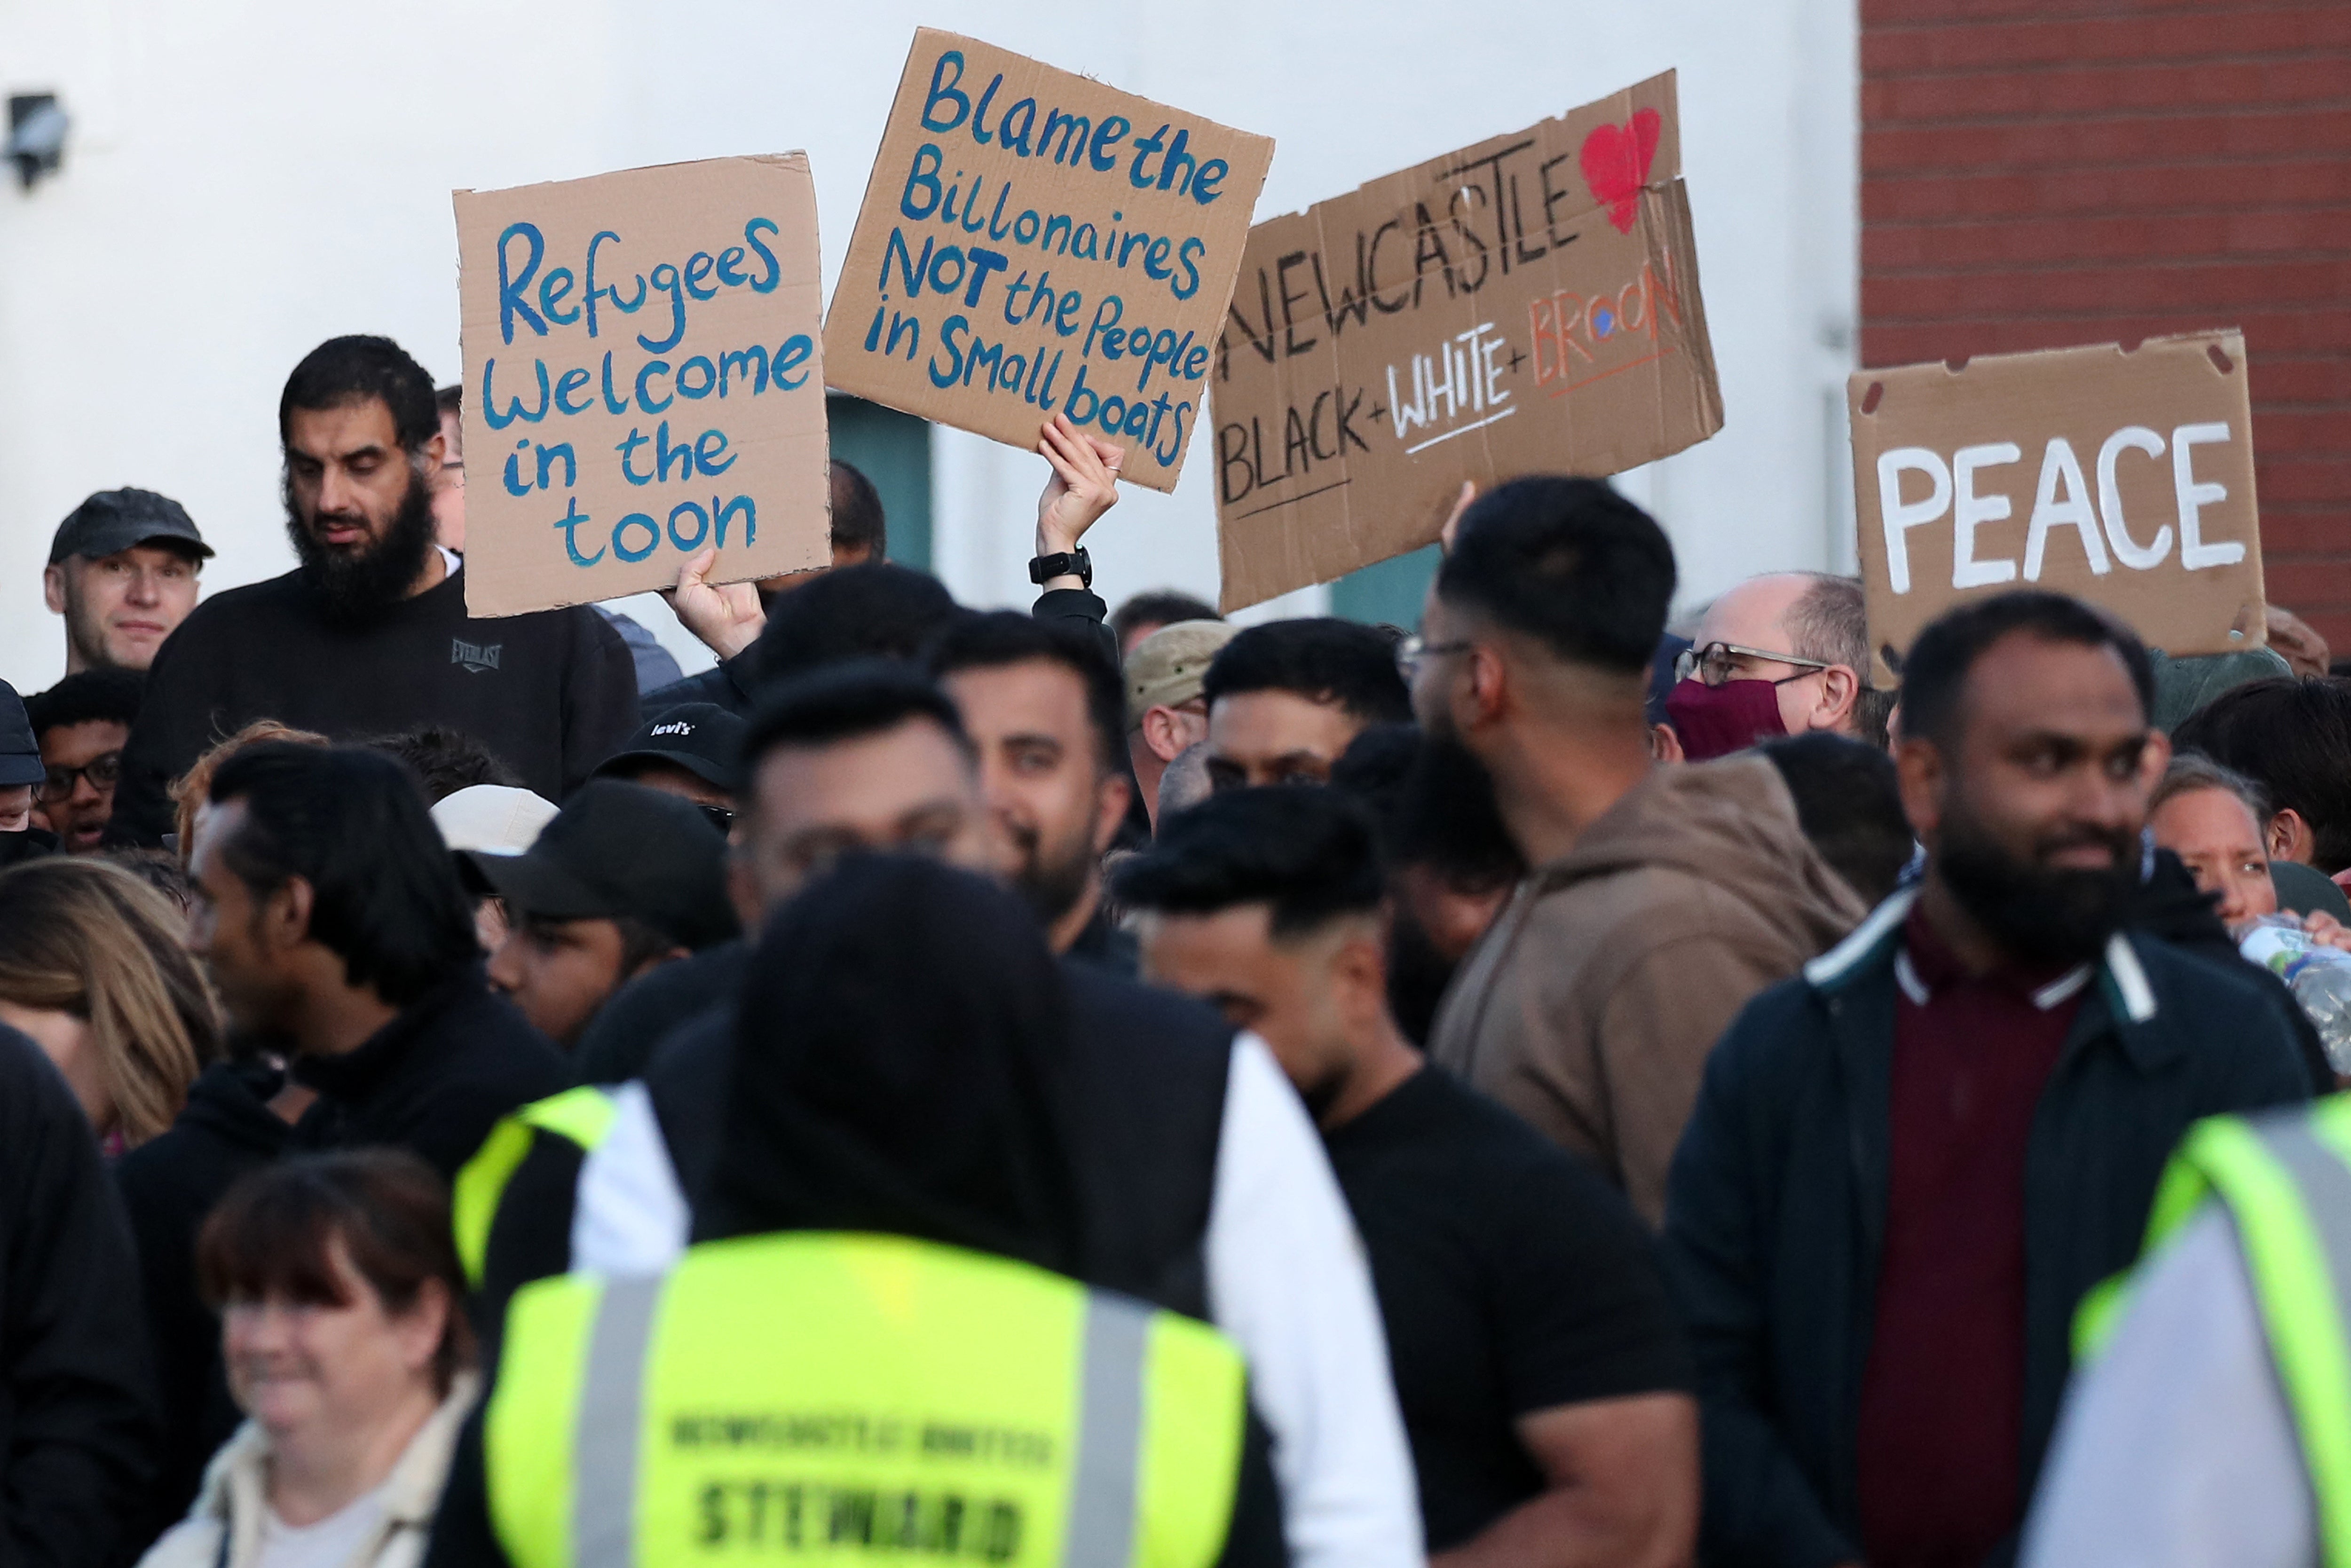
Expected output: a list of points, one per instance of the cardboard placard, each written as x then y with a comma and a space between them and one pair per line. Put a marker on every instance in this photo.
644, 379
1529, 304
2123, 478
1034, 242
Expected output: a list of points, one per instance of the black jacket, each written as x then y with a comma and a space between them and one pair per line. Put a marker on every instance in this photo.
433, 1080
77, 1395
620, 1040
169, 1184
27, 844
1776, 1210
552, 692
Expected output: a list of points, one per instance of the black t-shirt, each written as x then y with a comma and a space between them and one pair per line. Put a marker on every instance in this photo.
1511, 1279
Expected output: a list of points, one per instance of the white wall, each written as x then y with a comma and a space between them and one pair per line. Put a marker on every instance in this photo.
248, 177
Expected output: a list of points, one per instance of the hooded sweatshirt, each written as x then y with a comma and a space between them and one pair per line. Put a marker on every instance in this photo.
1590, 1005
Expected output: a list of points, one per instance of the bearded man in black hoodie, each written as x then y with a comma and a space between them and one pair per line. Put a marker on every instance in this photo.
368, 634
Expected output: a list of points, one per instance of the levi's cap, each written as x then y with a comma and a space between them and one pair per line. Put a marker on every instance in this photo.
114, 520
701, 737
1167, 668
619, 849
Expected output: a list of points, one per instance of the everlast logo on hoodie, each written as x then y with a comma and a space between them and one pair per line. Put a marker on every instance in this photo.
474, 657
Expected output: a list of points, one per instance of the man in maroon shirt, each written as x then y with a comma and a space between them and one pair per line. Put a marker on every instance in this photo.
1909, 1165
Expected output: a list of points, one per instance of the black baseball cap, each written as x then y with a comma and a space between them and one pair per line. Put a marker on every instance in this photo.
114, 520
621, 849
20, 754
701, 737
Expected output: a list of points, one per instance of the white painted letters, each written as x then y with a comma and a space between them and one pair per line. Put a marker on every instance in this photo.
2062, 500
1902, 515
2141, 557
2070, 511
1970, 509
2193, 496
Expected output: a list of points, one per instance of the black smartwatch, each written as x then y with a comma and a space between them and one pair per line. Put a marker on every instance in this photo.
1077, 562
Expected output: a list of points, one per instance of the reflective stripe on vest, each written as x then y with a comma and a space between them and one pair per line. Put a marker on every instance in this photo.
582, 1115
814, 1391
2285, 1180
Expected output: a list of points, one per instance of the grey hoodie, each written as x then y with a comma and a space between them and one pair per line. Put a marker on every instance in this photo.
1590, 1005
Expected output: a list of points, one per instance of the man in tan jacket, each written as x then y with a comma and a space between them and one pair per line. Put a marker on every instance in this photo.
1661, 899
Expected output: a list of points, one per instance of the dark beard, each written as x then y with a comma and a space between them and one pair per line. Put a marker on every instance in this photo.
2038, 914
1053, 887
357, 588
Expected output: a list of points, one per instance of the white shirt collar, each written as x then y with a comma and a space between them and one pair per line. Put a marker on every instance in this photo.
2049, 996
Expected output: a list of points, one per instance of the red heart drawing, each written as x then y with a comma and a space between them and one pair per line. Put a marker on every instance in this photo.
1616, 162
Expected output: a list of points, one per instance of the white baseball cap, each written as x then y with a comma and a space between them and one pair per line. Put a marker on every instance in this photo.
494, 819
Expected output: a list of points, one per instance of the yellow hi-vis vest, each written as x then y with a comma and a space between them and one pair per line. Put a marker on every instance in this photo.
2285, 1178
584, 1116
858, 1397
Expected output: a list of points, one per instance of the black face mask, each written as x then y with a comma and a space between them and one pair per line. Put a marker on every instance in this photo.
2040, 914
354, 588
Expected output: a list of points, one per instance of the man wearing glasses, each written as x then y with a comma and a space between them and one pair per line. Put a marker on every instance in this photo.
80, 725
1778, 655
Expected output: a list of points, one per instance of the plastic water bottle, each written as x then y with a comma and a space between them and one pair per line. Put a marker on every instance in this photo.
2319, 976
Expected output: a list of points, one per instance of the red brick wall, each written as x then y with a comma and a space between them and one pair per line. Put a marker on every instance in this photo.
2036, 174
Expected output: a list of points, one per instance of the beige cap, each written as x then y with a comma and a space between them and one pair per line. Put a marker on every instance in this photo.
1166, 669
492, 818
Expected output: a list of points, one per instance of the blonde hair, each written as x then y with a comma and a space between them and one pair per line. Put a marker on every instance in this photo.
80, 935
189, 790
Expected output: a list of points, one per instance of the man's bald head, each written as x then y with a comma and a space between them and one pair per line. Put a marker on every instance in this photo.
1809, 616
1753, 613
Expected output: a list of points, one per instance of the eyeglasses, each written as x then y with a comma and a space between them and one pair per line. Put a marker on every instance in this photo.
1414, 649
720, 817
101, 772
1717, 663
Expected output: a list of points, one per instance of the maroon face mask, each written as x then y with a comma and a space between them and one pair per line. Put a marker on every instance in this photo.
1715, 721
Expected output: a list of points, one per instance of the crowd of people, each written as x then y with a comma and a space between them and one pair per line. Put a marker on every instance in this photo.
1088, 1087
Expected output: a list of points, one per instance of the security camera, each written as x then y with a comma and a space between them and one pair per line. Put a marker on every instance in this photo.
37, 135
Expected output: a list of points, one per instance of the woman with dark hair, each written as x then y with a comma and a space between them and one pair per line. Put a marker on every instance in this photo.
339, 1292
